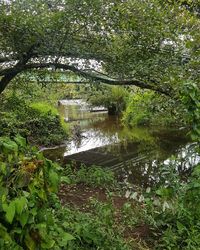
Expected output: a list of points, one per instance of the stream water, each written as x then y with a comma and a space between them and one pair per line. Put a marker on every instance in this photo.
139, 155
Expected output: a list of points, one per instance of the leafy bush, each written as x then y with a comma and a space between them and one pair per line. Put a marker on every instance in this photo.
148, 108
39, 123
93, 176
92, 230
27, 181
47, 109
44, 108
30, 211
191, 99
173, 211
113, 98
175, 207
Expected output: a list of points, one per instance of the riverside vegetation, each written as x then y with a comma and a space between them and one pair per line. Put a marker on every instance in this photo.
38, 121
32, 216
38, 210
151, 45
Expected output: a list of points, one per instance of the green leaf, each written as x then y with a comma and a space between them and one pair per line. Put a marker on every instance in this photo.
24, 218
4, 234
20, 141
49, 243
3, 193
17, 230
65, 179
180, 227
4, 206
9, 145
10, 212
54, 179
3, 168
165, 192
30, 243
68, 237
65, 238
20, 204
41, 193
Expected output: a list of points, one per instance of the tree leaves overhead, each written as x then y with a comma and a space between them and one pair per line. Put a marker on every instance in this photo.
153, 42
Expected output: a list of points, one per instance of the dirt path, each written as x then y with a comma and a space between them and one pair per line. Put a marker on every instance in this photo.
79, 196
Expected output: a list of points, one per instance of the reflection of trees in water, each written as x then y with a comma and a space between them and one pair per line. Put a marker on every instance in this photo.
148, 138
150, 172
187, 158
141, 152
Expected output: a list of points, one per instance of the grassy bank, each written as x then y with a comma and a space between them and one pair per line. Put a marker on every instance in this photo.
39, 122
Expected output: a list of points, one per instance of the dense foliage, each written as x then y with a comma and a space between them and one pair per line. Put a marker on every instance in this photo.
113, 98
93, 176
149, 44
148, 108
40, 123
27, 180
31, 214
175, 211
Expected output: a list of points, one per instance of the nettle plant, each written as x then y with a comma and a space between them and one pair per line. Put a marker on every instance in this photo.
27, 182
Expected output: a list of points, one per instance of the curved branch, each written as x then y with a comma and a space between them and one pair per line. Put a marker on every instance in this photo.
100, 77
5, 59
7, 77
87, 74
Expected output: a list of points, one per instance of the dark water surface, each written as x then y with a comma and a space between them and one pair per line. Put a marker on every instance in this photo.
137, 155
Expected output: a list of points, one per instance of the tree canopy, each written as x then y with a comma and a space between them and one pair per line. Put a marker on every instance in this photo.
149, 44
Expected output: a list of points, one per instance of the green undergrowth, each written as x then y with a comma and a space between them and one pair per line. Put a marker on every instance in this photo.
174, 212
27, 181
31, 214
39, 122
46, 108
147, 108
94, 229
169, 211
92, 176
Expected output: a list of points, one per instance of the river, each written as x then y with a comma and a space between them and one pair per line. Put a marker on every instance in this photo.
141, 156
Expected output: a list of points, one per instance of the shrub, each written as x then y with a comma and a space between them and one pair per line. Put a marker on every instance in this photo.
174, 210
113, 98
92, 230
27, 180
40, 123
148, 108
93, 176
30, 211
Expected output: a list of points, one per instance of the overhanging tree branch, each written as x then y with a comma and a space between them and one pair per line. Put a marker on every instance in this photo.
93, 75
7, 77
100, 77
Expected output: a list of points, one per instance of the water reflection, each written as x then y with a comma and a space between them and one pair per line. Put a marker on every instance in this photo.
77, 110
137, 155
